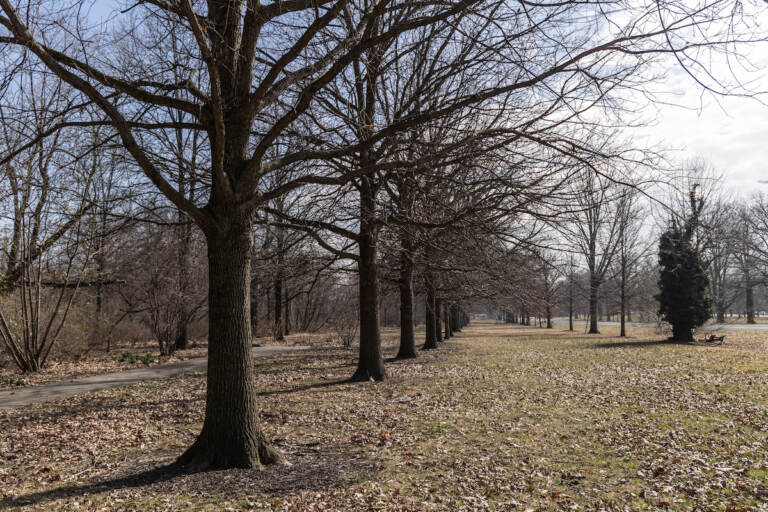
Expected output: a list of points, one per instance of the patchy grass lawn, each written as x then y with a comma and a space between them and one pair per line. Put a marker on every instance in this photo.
499, 418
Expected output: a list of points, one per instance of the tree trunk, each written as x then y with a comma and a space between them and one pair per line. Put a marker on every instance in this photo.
455, 318
438, 320
623, 305
549, 316
182, 336
594, 285
750, 299
720, 315
254, 306
407, 339
570, 304
278, 292
447, 322
682, 333
231, 436
287, 310
370, 364
429, 313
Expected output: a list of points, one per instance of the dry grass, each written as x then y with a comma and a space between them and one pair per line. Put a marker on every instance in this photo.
500, 418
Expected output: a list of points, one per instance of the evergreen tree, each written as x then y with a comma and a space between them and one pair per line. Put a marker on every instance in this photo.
684, 300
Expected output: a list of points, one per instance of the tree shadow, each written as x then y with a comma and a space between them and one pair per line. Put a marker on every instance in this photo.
58, 411
636, 344
317, 385
311, 469
160, 474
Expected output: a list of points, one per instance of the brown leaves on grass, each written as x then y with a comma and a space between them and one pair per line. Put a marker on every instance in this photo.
498, 419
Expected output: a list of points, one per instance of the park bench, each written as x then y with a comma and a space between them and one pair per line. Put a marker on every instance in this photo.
714, 340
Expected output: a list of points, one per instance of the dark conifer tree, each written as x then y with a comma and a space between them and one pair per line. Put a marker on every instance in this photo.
684, 299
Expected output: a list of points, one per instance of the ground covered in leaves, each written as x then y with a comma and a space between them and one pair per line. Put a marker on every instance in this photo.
499, 418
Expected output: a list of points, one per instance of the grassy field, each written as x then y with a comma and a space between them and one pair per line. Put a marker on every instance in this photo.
499, 418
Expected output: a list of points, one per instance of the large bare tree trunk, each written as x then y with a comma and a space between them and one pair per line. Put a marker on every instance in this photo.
370, 364
407, 339
231, 436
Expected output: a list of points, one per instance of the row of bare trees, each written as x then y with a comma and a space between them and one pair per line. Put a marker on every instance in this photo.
406, 139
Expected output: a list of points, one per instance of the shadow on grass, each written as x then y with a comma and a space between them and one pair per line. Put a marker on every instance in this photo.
317, 385
636, 344
311, 469
92, 404
126, 482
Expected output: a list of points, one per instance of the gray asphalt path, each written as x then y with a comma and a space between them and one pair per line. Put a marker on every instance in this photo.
13, 398
708, 327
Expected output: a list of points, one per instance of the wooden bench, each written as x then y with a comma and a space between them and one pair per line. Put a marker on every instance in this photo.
714, 340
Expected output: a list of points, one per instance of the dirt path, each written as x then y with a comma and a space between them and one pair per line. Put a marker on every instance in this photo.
12, 398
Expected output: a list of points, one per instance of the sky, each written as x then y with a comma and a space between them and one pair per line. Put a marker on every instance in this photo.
731, 133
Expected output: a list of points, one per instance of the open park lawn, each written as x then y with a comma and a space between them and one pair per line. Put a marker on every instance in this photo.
498, 418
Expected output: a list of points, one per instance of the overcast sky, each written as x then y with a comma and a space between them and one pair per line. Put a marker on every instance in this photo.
731, 133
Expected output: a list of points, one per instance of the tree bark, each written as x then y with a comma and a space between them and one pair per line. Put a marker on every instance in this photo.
447, 322
750, 298
682, 333
455, 327
278, 291
370, 364
623, 328
594, 286
623, 312
407, 339
231, 436
182, 336
287, 310
570, 304
438, 320
549, 316
429, 312
254, 306
720, 313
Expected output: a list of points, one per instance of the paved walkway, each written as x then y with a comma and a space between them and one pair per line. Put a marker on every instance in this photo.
12, 398
705, 327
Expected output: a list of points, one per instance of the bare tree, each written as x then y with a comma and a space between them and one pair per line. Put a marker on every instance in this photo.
631, 248
594, 231
744, 243
721, 230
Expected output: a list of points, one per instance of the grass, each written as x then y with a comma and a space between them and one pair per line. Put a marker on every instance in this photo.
499, 418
